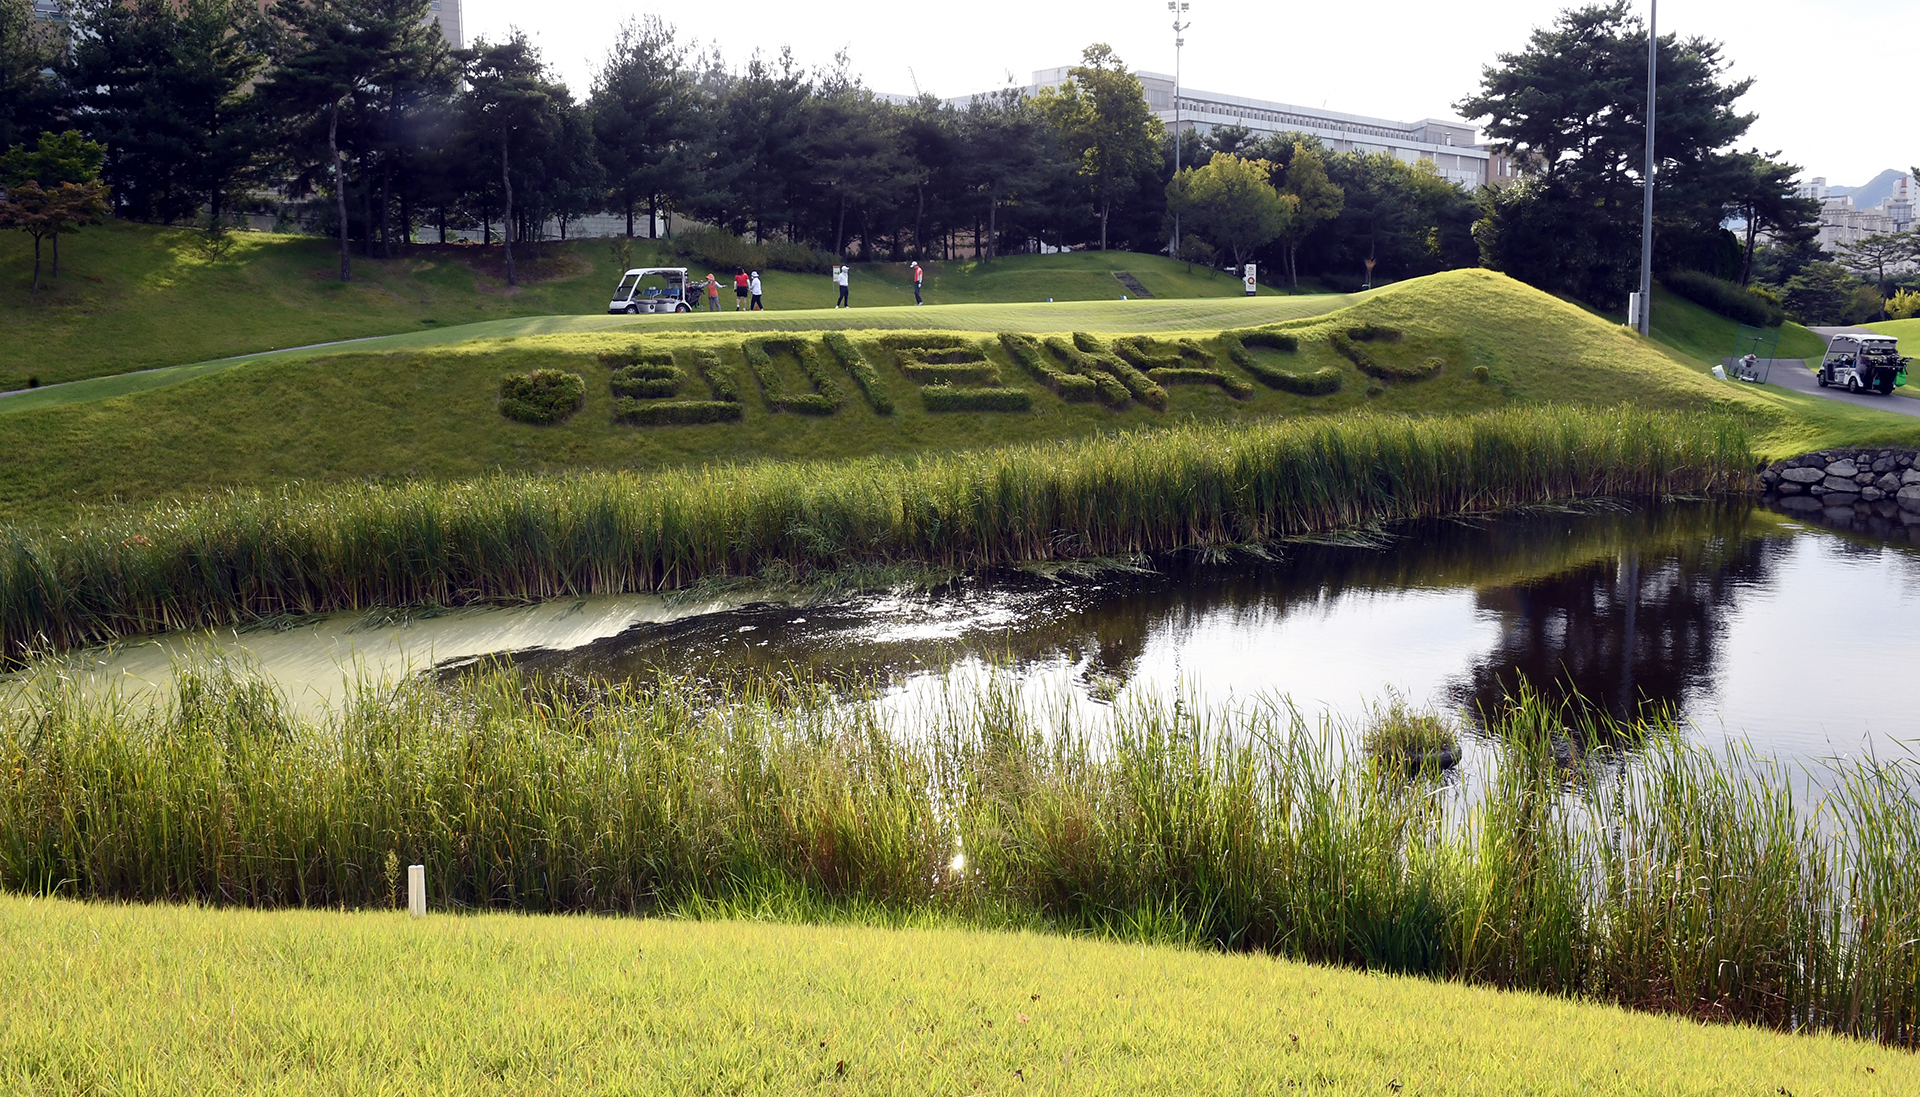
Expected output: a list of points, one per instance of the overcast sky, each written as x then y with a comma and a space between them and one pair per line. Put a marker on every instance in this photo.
1822, 97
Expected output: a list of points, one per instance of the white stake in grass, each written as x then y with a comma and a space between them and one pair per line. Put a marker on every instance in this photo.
417, 890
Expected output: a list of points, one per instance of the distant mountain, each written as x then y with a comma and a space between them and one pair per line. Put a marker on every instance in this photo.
1874, 193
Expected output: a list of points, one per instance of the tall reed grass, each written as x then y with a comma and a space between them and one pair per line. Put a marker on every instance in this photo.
315, 548
1672, 879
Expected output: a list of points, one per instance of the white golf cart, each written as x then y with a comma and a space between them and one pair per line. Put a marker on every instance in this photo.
654, 289
1864, 363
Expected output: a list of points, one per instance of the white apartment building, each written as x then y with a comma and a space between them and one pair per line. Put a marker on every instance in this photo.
1842, 223
1447, 142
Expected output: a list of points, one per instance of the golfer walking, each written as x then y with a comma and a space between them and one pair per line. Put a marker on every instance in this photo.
753, 289
918, 276
840, 279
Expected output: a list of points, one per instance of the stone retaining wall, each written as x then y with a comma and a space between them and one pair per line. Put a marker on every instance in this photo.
1866, 486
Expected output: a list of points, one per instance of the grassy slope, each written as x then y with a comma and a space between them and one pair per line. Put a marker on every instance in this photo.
176, 1001
430, 413
137, 297
1907, 331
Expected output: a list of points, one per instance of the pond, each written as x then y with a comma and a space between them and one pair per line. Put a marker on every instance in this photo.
1748, 623
1751, 623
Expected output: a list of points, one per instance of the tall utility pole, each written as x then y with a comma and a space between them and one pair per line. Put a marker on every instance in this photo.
1645, 320
1179, 10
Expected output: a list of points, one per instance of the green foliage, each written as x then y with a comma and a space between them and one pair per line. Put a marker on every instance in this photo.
1233, 204
543, 396
980, 372
1183, 375
1071, 387
862, 371
1097, 355
1482, 374
1351, 344
1824, 293
721, 379
1317, 382
948, 397
316, 547
1102, 117
1903, 305
723, 251
825, 399
1573, 224
670, 412
1729, 300
56, 158
646, 382
1110, 390
1400, 739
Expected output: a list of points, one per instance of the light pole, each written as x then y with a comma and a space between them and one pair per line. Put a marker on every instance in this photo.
1645, 320
1179, 10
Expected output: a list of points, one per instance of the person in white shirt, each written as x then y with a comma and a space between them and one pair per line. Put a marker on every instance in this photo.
753, 289
840, 279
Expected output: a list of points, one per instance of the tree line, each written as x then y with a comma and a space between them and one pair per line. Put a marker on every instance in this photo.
359, 112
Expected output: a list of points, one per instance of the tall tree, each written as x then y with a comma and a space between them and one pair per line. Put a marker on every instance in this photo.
1573, 105
514, 106
1872, 255
1010, 152
52, 189
1102, 113
1232, 204
642, 109
166, 86
1318, 199
851, 147
1762, 193
31, 101
330, 52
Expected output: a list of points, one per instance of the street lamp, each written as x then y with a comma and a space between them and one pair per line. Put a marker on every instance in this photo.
1179, 10
1645, 320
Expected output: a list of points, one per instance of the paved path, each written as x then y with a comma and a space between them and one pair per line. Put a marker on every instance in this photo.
1793, 374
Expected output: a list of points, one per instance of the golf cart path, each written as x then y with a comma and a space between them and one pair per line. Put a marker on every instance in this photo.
1792, 374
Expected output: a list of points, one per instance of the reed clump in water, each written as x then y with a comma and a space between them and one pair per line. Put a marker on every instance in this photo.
243, 556
1673, 879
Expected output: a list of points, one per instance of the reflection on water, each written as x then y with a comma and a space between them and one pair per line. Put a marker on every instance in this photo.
1720, 612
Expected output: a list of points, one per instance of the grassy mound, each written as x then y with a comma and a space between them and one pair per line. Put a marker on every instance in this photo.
132, 297
198, 1002
429, 411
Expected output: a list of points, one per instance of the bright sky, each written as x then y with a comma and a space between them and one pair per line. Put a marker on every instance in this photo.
1838, 117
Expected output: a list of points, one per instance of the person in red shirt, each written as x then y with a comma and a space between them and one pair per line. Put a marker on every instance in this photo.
740, 284
918, 275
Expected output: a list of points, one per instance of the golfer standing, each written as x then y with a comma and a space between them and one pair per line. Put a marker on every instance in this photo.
840, 279
740, 284
753, 289
918, 276
713, 293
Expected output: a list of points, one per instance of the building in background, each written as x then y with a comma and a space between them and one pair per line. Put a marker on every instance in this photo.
446, 15
1448, 143
1843, 222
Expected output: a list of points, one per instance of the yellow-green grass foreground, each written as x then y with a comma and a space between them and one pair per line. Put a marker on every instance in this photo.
167, 1000
430, 411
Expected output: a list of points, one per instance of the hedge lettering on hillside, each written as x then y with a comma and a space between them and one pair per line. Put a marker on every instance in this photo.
955, 374
543, 396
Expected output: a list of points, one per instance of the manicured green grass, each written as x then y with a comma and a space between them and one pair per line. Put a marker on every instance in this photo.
1703, 338
134, 297
169, 1001
1907, 331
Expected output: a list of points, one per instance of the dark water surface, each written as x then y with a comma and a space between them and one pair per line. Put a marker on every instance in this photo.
1750, 623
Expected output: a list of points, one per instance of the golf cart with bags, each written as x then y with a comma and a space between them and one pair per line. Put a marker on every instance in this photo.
1864, 363
654, 289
